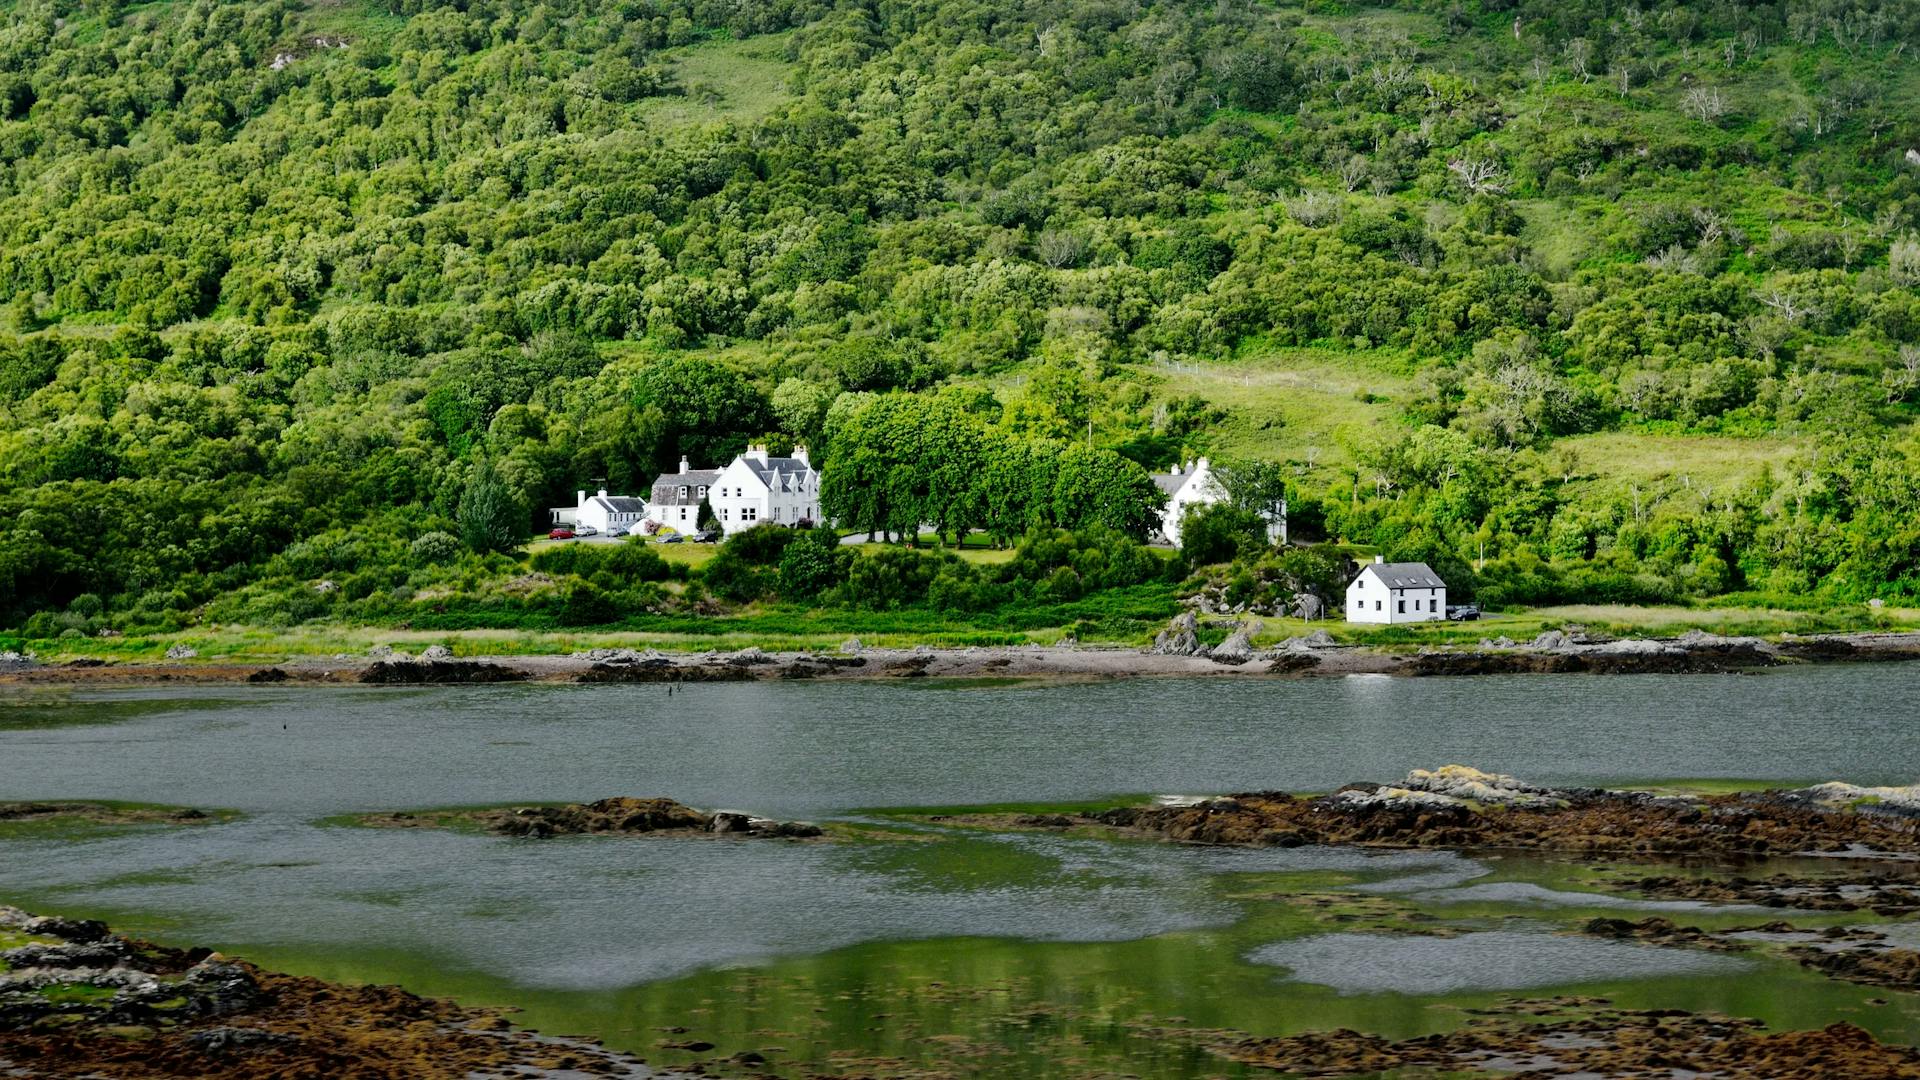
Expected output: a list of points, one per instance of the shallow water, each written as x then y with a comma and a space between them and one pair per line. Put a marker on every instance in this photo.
986, 954
1482, 960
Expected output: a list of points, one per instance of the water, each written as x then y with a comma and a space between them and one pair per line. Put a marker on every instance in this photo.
805, 749
934, 949
1486, 960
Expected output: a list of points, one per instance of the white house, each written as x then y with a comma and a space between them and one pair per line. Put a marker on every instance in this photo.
1194, 484
607, 513
756, 488
1400, 592
675, 500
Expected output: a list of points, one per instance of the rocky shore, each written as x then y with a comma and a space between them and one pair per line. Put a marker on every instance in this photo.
1574, 1037
617, 816
1176, 651
1463, 808
79, 1001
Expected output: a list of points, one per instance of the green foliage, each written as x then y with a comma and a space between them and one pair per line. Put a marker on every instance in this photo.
1220, 532
261, 320
491, 519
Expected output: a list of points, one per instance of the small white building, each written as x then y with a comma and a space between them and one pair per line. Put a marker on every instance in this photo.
1193, 484
1403, 592
756, 488
675, 500
609, 514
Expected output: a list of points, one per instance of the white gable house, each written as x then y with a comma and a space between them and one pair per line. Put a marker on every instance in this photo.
1387, 592
1194, 484
675, 500
611, 514
757, 488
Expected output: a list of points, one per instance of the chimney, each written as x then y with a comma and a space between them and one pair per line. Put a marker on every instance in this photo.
683, 463
800, 455
1379, 559
579, 498
1201, 464
757, 451
603, 493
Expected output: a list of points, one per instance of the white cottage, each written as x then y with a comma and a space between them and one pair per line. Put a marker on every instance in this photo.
611, 514
676, 497
757, 488
1404, 592
1194, 484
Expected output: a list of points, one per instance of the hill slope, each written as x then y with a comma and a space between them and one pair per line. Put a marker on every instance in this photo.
1582, 302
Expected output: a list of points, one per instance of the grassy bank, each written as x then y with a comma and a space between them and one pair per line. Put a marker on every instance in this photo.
782, 629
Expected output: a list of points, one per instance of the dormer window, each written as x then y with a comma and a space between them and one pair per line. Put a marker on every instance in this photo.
683, 491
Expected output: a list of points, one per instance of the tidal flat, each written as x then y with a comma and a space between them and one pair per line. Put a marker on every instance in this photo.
1041, 950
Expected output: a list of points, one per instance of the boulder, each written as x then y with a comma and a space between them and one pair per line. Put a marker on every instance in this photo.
751, 656
1180, 638
1238, 648
852, 646
436, 653
181, 652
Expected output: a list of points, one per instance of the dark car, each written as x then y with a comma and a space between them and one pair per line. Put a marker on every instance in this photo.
560, 534
1463, 612
676, 538
708, 537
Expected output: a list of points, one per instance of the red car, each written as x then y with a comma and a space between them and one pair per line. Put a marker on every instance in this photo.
560, 534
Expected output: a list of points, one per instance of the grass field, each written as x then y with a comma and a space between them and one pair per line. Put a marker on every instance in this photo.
722, 80
1317, 405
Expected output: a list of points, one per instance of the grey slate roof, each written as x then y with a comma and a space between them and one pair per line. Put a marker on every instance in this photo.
1406, 575
1169, 482
774, 468
666, 486
622, 504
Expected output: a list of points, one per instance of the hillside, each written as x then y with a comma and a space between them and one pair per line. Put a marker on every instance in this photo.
1582, 303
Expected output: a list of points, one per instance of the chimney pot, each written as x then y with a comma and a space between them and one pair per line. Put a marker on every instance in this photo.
1379, 558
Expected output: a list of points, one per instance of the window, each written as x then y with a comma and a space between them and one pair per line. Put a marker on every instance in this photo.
1403, 606
683, 491
1376, 605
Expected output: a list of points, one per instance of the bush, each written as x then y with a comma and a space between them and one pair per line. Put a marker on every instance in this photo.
434, 547
732, 576
889, 578
1099, 558
813, 564
1220, 532
585, 605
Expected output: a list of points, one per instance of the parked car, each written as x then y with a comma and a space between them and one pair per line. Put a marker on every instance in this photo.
676, 538
1463, 612
560, 534
585, 530
707, 537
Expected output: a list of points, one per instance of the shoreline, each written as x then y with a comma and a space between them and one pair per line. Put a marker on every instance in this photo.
1553, 653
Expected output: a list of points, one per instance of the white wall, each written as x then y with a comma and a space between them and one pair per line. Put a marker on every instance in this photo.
742, 500
1369, 600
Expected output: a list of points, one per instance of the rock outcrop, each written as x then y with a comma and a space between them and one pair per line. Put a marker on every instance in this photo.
1180, 638
1459, 807
78, 1002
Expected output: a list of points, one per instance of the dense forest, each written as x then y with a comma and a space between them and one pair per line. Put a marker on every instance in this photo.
309, 307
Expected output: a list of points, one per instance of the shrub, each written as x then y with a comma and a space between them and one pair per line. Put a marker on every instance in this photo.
814, 563
1220, 532
889, 578
434, 547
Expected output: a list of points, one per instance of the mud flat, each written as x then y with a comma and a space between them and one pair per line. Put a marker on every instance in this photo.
1570, 1036
1177, 651
79, 1001
621, 816
1465, 809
